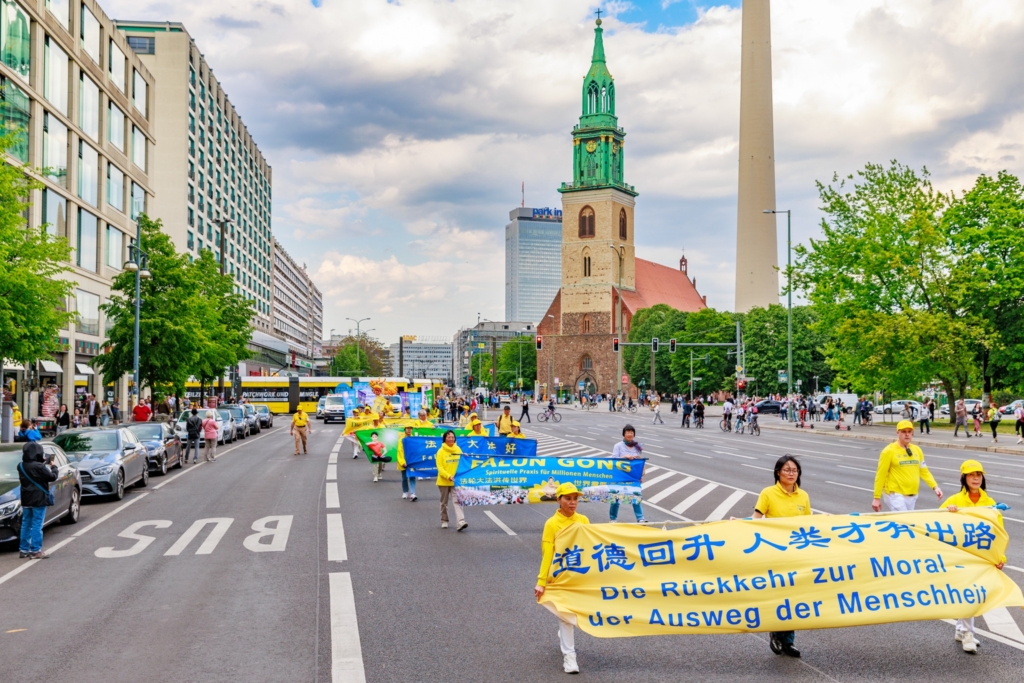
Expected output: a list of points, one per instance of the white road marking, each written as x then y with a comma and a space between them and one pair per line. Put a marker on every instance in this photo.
736, 455
990, 635
332, 500
720, 511
859, 488
689, 502
110, 514
999, 621
346, 651
655, 454
859, 469
141, 541
278, 534
333, 457
757, 467
660, 477
661, 495
501, 524
332, 472
336, 550
336, 448
698, 455
220, 527
651, 468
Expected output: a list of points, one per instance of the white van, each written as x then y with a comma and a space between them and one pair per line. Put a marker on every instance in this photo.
849, 401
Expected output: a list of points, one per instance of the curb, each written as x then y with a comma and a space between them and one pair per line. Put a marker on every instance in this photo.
881, 439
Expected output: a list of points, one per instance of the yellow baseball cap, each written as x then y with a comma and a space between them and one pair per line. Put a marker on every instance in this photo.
474, 422
514, 423
565, 490
971, 466
905, 424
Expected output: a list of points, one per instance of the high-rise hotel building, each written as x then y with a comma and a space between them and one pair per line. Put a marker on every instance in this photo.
83, 103
213, 186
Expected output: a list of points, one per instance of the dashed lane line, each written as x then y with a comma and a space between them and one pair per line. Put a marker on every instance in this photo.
501, 525
346, 649
849, 486
333, 501
332, 472
336, 549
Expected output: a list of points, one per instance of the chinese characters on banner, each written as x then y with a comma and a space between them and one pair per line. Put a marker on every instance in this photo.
420, 451
781, 574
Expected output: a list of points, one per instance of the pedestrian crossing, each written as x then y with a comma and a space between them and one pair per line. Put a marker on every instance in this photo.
666, 489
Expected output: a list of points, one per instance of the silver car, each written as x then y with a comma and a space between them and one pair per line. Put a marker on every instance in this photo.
237, 415
108, 459
225, 430
253, 416
266, 417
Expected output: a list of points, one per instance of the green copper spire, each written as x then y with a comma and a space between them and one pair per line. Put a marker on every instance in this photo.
597, 140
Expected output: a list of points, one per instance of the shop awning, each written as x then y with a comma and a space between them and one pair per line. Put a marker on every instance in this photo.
11, 365
84, 369
50, 366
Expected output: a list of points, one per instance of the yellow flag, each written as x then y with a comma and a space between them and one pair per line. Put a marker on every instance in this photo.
781, 574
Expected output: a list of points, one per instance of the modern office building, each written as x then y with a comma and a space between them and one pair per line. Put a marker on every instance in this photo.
533, 262
484, 337
213, 186
298, 308
82, 103
421, 360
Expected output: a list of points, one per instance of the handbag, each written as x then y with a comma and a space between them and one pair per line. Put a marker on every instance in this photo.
49, 495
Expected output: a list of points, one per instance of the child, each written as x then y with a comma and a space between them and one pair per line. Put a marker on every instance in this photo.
379, 456
972, 494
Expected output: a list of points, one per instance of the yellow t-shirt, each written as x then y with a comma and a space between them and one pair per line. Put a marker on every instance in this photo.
555, 523
504, 424
300, 419
776, 501
513, 435
901, 472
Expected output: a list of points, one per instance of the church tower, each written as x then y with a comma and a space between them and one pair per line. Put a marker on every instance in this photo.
597, 211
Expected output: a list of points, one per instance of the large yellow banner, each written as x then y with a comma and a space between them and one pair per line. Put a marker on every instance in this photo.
791, 573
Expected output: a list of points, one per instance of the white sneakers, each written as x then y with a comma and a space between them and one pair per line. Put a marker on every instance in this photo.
376, 478
970, 644
405, 496
569, 664
444, 525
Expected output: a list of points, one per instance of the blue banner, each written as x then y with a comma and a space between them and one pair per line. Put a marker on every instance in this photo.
419, 451
503, 480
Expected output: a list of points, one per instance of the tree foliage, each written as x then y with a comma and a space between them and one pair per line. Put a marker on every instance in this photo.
33, 294
766, 339
480, 369
364, 356
517, 358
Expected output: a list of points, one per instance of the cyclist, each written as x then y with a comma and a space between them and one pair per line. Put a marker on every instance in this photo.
727, 414
698, 414
753, 417
741, 413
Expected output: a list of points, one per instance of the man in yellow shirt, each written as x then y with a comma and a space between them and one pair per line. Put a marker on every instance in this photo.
568, 499
300, 425
504, 422
901, 468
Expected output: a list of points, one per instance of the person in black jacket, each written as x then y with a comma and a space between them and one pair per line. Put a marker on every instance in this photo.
35, 476
194, 427
63, 419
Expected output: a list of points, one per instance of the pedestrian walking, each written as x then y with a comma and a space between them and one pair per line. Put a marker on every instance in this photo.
105, 415
63, 419
924, 416
657, 413
115, 411
210, 435
972, 494
141, 412
960, 411
300, 425
193, 431
994, 418
1018, 416
978, 416
34, 474
901, 468
784, 499
568, 499
526, 410
447, 460
627, 449
92, 410
408, 482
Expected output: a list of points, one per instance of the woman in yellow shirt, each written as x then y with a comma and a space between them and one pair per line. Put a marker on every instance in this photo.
972, 494
784, 499
516, 433
568, 498
447, 460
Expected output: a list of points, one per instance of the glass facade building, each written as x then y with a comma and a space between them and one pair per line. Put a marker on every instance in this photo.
533, 262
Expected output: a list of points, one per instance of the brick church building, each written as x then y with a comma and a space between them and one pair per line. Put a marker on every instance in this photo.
603, 283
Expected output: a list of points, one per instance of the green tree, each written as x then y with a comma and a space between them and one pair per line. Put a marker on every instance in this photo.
480, 369
351, 361
661, 321
33, 295
170, 320
765, 336
707, 326
517, 358
885, 280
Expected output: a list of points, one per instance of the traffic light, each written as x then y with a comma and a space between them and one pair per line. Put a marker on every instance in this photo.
615, 345
471, 380
654, 345
540, 342
671, 345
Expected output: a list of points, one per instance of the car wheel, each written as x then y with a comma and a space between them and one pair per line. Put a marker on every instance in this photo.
163, 466
144, 482
73, 509
119, 486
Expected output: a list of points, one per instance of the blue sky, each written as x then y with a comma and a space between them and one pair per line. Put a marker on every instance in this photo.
663, 14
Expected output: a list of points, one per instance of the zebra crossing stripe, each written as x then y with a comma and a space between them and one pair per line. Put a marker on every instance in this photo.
662, 495
722, 510
660, 477
689, 502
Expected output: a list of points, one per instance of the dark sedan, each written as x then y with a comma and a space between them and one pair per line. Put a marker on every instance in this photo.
163, 445
768, 407
67, 490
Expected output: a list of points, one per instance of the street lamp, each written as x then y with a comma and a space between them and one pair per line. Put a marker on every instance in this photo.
789, 294
138, 263
551, 358
620, 252
358, 348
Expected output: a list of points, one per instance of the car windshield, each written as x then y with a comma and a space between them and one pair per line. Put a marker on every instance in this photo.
9, 464
147, 431
262, 409
335, 401
237, 412
226, 414
87, 441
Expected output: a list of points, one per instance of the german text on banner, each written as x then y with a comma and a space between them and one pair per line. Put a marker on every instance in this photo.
519, 478
781, 574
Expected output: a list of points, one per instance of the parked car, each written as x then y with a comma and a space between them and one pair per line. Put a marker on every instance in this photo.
968, 402
266, 417
321, 404
1010, 407
108, 459
163, 444
225, 430
237, 415
768, 407
334, 409
253, 417
896, 407
67, 490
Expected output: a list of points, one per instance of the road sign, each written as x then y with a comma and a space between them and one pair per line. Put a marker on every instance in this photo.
798, 382
625, 379
783, 377
697, 379
582, 384
556, 381
511, 384
739, 369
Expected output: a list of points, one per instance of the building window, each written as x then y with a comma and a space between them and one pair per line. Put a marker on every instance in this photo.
55, 76
87, 310
586, 222
88, 173
586, 266
85, 256
61, 10
586, 363
14, 112
585, 325
116, 66
55, 150
138, 201
191, 239
623, 232
138, 148
115, 247
90, 34
89, 107
15, 40
115, 187
115, 126
139, 93
141, 45
55, 213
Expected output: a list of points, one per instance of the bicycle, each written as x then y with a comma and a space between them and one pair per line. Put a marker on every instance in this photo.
698, 422
549, 414
755, 429
726, 424
741, 425
625, 409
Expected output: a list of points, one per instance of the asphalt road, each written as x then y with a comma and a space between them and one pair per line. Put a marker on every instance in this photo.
366, 586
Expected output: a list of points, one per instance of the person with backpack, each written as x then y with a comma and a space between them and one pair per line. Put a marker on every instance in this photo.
193, 430
994, 417
35, 475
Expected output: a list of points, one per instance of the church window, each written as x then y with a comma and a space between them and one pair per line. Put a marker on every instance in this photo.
585, 325
586, 222
611, 98
586, 266
623, 232
586, 363
604, 100
591, 99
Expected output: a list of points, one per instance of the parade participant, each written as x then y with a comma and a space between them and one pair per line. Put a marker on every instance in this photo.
447, 460
901, 468
477, 427
784, 499
408, 483
379, 456
628, 449
516, 433
568, 499
504, 421
972, 494
298, 429
422, 422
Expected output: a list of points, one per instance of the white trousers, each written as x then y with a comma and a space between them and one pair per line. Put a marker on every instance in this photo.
567, 638
964, 625
897, 502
